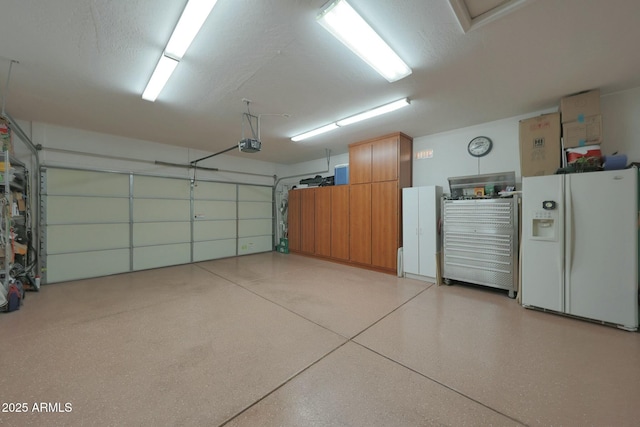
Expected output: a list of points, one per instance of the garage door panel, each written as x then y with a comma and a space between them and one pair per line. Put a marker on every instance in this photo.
86, 237
216, 249
154, 210
70, 182
255, 210
214, 230
86, 210
206, 209
249, 245
65, 267
214, 191
160, 233
161, 188
254, 193
161, 256
254, 227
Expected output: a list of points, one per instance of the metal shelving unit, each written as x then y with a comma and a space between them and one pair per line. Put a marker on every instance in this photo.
14, 223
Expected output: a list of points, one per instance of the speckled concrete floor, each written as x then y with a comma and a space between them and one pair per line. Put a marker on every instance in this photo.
284, 340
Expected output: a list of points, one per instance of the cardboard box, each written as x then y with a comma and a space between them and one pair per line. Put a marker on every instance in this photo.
540, 150
19, 248
576, 108
579, 134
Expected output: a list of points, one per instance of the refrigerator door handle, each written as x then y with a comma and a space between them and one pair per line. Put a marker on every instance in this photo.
569, 242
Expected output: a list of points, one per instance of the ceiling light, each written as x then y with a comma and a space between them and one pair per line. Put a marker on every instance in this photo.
189, 24
159, 78
191, 20
374, 112
315, 132
341, 20
387, 108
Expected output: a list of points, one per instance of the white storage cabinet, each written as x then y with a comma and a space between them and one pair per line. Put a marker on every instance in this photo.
421, 242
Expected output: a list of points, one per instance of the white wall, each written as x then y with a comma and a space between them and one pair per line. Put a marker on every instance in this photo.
621, 123
621, 132
450, 156
110, 152
310, 169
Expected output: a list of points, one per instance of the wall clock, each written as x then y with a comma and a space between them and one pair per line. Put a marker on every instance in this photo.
479, 146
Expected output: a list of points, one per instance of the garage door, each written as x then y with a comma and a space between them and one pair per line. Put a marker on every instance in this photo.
100, 223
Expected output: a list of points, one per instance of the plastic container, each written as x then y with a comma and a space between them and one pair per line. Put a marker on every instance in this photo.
341, 173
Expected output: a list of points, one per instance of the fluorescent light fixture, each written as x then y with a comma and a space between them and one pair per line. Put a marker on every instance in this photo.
315, 132
191, 20
383, 109
189, 24
374, 112
159, 78
341, 20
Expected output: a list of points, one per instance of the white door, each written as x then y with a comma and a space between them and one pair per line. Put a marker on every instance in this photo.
410, 244
601, 279
542, 242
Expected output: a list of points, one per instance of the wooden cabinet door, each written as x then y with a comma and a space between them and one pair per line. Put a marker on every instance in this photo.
359, 163
307, 221
384, 224
323, 221
293, 220
384, 159
340, 222
360, 223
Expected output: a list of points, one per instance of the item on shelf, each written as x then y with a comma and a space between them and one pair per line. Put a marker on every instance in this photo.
341, 174
483, 186
6, 137
14, 297
540, 145
575, 108
327, 181
591, 153
581, 133
614, 162
312, 182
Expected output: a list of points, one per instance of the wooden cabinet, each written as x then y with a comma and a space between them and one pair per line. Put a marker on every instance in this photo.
386, 158
385, 226
376, 218
360, 223
322, 221
340, 222
360, 163
307, 221
319, 221
293, 220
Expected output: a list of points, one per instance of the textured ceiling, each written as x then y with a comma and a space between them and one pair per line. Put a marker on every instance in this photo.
84, 64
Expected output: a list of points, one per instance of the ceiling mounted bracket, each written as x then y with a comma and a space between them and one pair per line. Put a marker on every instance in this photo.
251, 144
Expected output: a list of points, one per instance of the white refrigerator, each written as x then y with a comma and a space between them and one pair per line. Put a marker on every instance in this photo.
580, 245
